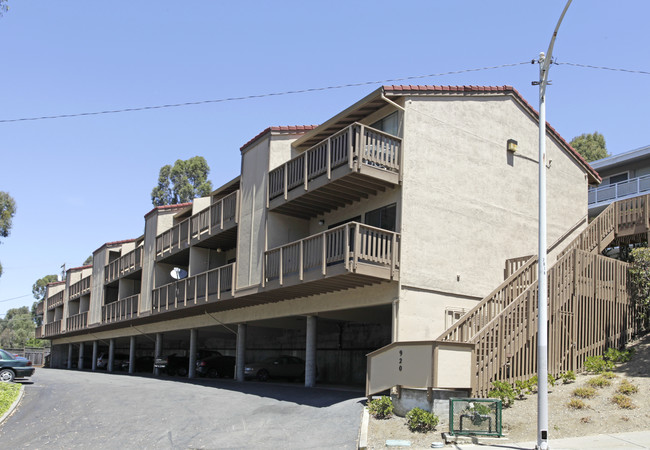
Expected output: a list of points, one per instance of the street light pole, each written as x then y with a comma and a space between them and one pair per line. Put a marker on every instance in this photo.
542, 298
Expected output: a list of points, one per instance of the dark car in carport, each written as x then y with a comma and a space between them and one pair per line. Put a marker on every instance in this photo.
179, 365
283, 366
216, 366
142, 364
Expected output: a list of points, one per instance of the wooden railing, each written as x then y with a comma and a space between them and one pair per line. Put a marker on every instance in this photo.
514, 264
214, 284
125, 264
354, 145
219, 216
80, 288
55, 300
494, 304
77, 322
40, 308
589, 310
53, 328
38, 332
124, 309
349, 244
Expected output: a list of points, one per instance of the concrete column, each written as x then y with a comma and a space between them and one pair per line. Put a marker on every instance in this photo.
310, 353
111, 355
80, 361
191, 371
69, 364
93, 363
158, 350
132, 354
240, 359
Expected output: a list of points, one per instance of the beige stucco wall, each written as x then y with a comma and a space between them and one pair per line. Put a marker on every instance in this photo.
199, 204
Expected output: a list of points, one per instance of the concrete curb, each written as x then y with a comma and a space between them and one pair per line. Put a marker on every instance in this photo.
363, 430
14, 405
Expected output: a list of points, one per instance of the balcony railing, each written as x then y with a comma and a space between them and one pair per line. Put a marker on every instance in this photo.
215, 284
352, 245
220, 216
55, 300
39, 308
355, 146
124, 309
39, 332
619, 191
53, 328
124, 265
77, 322
80, 288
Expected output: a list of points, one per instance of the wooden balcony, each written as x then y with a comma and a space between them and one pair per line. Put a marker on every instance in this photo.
40, 308
213, 227
38, 333
76, 322
347, 256
352, 164
55, 300
52, 329
125, 265
211, 286
124, 309
81, 287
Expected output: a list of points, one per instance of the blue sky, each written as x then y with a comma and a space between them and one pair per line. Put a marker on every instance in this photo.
80, 182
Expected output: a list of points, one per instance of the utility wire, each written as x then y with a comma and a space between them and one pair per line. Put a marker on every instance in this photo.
601, 67
14, 298
272, 94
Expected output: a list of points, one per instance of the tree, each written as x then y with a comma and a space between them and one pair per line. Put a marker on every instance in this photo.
592, 147
639, 273
40, 286
181, 183
88, 261
3, 7
7, 208
17, 328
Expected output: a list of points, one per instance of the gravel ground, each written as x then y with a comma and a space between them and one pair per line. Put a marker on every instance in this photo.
520, 420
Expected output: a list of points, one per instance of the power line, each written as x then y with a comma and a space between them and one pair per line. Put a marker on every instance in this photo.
249, 97
643, 72
14, 298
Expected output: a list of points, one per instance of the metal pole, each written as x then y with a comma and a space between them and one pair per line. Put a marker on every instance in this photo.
542, 299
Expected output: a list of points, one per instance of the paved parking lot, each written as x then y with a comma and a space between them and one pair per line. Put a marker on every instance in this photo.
71, 409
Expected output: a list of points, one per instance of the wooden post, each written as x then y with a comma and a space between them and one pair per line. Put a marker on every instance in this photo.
285, 170
305, 169
324, 253
357, 246
329, 158
351, 147
280, 270
346, 247
300, 260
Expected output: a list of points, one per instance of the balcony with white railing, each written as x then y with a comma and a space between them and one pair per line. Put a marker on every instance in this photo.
604, 195
349, 255
352, 164
81, 287
76, 322
207, 287
126, 266
213, 227
123, 309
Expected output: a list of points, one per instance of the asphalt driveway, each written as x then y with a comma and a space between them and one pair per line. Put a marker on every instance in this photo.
72, 409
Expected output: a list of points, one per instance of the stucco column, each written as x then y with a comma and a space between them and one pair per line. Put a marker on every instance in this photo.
93, 363
80, 361
240, 359
191, 371
69, 364
158, 350
310, 353
132, 354
111, 355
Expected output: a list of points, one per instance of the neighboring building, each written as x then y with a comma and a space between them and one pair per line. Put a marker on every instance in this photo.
385, 223
625, 175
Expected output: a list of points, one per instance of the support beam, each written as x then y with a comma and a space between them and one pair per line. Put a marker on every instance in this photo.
80, 361
241, 352
157, 351
111, 355
93, 363
191, 371
132, 354
69, 363
310, 352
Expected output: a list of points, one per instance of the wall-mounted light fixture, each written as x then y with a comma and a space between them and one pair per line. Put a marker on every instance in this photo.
321, 222
512, 145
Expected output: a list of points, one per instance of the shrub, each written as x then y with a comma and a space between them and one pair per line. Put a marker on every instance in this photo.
623, 401
576, 403
618, 356
596, 364
599, 382
568, 377
551, 380
608, 375
640, 284
381, 408
584, 392
420, 420
522, 388
504, 392
627, 388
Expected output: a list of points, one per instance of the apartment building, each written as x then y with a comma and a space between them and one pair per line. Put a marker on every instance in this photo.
383, 224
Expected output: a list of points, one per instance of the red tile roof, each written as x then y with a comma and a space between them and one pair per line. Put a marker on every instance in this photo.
500, 90
290, 129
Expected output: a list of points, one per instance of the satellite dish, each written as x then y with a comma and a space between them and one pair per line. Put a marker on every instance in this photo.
178, 274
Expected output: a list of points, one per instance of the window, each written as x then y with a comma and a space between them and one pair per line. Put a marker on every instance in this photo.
388, 124
384, 217
618, 178
452, 315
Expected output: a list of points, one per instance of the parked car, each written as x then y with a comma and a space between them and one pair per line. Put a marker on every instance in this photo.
142, 364
216, 366
118, 359
283, 366
12, 368
179, 365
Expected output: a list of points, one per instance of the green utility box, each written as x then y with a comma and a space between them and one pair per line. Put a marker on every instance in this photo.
475, 416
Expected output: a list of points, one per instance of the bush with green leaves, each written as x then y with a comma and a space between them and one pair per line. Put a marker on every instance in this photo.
627, 388
551, 380
596, 364
502, 391
420, 420
623, 401
568, 377
381, 408
584, 392
599, 382
618, 356
639, 272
